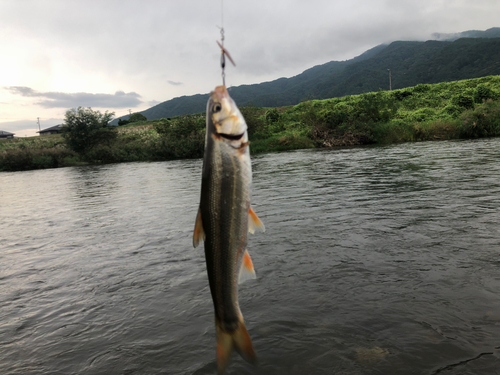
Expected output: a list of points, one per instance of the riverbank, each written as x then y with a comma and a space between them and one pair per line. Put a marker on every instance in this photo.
452, 110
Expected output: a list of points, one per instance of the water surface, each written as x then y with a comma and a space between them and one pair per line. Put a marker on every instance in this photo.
376, 260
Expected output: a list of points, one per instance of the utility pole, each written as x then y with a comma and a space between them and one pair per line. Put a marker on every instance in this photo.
390, 81
38, 121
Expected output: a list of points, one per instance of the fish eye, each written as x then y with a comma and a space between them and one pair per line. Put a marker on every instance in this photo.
216, 108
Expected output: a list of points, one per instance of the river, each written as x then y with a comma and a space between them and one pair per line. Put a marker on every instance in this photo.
375, 260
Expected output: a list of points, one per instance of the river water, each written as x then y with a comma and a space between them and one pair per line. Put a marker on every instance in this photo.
376, 260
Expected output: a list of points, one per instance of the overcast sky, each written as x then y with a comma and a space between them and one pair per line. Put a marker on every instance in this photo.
132, 54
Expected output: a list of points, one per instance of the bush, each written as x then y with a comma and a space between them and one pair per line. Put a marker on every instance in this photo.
309, 113
463, 101
162, 126
289, 141
272, 115
43, 161
375, 107
181, 137
483, 93
348, 136
421, 88
15, 160
483, 121
254, 122
434, 130
333, 119
101, 154
400, 95
452, 110
424, 114
23, 158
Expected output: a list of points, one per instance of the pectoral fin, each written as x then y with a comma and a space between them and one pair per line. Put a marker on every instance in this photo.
246, 271
254, 222
199, 233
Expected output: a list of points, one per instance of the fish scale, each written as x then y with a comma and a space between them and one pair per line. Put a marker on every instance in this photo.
227, 220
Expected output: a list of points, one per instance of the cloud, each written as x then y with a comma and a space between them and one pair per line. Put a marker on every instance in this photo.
119, 99
152, 103
78, 50
174, 83
22, 126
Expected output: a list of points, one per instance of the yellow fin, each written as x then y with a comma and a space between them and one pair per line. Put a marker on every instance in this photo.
254, 222
199, 233
227, 341
247, 271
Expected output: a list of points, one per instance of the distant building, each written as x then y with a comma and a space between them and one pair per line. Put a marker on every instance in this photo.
52, 130
4, 134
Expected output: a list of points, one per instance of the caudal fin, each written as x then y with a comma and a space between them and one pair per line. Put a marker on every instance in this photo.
227, 341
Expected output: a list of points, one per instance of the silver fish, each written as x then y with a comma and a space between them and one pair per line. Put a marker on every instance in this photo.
224, 220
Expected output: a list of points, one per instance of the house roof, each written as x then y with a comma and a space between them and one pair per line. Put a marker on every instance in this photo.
5, 133
56, 127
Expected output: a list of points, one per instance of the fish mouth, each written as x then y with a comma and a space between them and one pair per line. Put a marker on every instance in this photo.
231, 137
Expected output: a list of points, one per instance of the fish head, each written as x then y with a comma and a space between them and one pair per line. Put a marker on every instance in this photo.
225, 121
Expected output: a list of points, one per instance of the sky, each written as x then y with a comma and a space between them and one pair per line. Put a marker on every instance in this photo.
128, 55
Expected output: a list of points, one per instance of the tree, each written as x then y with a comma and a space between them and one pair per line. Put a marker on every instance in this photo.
84, 128
137, 117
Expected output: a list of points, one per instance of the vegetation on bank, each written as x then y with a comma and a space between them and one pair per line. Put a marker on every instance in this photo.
453, 110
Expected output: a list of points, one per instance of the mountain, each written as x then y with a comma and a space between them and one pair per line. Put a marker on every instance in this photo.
412, 63
494, 32
469, 54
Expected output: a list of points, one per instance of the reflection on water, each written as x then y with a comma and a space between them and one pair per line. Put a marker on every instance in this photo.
376, 260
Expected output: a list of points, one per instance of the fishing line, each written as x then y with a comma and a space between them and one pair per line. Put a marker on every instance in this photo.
222, 58
223, 51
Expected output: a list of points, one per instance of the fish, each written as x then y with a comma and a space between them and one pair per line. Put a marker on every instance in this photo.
224, 220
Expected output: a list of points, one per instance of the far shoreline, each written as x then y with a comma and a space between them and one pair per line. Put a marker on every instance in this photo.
466, 109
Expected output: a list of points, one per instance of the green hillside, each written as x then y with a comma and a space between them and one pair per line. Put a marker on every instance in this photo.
448, 110
411, 63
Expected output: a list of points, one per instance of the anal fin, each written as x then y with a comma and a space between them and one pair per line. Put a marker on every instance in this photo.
247, 271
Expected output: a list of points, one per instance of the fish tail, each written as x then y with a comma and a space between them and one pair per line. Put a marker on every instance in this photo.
238, 339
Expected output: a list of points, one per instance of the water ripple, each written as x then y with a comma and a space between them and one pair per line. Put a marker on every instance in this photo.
373, 258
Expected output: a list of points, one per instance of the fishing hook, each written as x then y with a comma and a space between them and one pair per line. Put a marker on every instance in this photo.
223, 54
